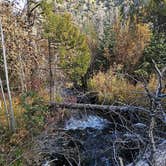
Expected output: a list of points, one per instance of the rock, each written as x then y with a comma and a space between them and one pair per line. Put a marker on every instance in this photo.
89, 98
139, 126
139, 163
159, 157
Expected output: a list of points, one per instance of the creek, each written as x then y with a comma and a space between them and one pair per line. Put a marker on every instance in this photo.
85, 140
94, 138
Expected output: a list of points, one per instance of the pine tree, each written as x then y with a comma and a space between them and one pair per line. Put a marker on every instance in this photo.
70, 44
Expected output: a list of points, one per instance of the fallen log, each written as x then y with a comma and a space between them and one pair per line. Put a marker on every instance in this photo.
109, 108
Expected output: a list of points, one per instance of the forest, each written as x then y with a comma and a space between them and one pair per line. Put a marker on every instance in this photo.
82, 82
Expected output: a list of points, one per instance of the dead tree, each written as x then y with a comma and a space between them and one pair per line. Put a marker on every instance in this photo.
104, 108
51, 79
155, 104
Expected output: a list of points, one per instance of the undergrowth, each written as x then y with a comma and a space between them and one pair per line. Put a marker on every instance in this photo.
30, 113
116, 88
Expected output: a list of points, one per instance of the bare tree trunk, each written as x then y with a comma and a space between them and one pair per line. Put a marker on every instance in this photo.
50, 73
11, 112
110, 108
22, 75
5, 104
56, 86
155, 102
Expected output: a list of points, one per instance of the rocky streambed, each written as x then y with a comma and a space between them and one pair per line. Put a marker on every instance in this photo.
89, 139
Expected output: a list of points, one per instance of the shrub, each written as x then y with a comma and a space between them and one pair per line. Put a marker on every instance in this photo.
113, 87
123, 43
35, 111
130, 42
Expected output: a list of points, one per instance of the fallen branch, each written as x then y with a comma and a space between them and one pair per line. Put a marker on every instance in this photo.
110, 108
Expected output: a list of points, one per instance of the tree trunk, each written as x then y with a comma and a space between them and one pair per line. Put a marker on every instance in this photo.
11, 112
5, 104
50, 73
99, 107
22, 74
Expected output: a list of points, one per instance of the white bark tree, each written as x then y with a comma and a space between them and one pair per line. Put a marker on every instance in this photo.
11, 111
5, 103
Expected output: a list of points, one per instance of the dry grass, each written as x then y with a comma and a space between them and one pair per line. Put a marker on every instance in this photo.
116, 88
18, 111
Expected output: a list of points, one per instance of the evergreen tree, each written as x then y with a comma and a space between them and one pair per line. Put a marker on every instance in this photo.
70, 44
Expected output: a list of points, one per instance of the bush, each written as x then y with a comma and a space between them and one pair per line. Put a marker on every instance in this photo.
123, 43
35, 111
113, 87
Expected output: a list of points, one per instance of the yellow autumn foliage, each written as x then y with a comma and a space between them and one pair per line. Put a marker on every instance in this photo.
114, 87
23, 48
130, 41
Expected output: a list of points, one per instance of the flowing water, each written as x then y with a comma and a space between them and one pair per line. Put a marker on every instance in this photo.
90, 121
86, 139
90, 133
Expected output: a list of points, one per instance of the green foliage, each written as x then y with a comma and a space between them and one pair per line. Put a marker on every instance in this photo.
105, 49
35, 110
156, 51
18, 153
2, 160
72, 46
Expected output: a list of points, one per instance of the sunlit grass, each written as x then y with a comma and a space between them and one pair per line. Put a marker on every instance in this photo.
18, 111
116, 88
